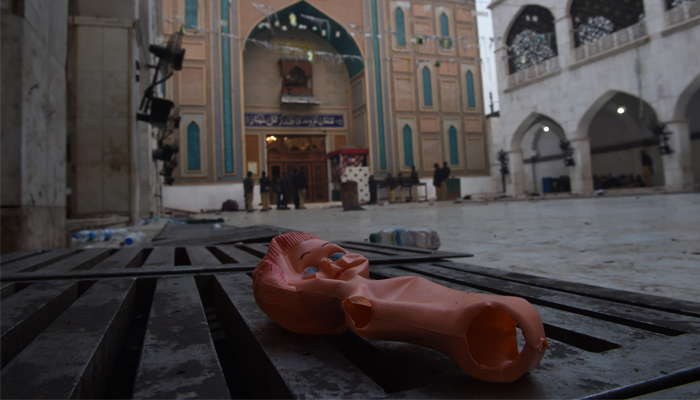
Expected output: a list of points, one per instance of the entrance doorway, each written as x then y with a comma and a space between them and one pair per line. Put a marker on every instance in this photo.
303, 153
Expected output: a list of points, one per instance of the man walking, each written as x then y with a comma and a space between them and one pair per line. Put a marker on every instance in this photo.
390, 187
414, 183
437, 175
248, 186
265, 192
446, 171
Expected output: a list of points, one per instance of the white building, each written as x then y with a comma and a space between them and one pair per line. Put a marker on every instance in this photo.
598, 74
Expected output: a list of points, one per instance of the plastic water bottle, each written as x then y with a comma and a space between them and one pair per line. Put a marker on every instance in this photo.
134, 238
99, 235
423, 238
85, 236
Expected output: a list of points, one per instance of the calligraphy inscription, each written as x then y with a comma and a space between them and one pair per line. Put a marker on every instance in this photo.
276, 120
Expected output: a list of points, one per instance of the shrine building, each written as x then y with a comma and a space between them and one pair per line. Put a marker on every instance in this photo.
280, 86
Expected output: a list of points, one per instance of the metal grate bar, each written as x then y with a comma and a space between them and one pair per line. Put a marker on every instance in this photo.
201, 256
237, 255
638, 317
86, 259
37, 262
257, 249
124, 258
26, 314
179, 356
71, 356
160, 257
17, 255
654, 302
283, 364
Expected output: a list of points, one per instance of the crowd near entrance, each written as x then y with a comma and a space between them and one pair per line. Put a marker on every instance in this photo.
287, 154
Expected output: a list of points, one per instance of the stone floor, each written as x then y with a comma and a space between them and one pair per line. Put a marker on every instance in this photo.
644, 243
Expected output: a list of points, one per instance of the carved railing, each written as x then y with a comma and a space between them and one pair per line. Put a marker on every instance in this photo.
537, 70
682, 13
610, 42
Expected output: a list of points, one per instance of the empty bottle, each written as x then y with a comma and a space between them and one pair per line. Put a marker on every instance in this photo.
423, 238
85, 236
134, 238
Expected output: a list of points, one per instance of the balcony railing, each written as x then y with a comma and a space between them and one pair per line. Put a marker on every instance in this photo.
610, 42
682, 13
534, 72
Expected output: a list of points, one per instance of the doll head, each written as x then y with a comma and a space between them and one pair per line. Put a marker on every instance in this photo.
295, 258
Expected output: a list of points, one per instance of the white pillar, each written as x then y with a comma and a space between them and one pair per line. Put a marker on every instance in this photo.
517, 173
678, 166
581, 173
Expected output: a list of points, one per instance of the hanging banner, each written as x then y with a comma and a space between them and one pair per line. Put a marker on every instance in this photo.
276, 120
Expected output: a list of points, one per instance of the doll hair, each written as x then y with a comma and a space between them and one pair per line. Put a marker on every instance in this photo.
280, 301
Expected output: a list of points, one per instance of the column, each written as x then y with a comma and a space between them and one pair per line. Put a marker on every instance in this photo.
678, 166
517, 174
582, 172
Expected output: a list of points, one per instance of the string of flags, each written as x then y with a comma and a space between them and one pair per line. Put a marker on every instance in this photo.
323, 27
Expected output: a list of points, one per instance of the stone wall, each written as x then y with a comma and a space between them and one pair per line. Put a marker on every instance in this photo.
575, 92
33, 124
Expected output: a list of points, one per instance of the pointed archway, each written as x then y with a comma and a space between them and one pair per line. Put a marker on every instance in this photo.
537, 160
618, 127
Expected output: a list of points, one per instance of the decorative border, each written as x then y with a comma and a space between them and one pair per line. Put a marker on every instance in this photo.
204, 85
412, 93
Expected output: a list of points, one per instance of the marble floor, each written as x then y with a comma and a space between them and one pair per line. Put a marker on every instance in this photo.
645, 243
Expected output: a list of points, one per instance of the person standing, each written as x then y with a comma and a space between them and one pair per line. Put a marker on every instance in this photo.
647, 168
446, 171
436, 181
294, 181
303, 183
372, 190
402, 196
414, 183
248, 187
391, 187
265, 192
284, 189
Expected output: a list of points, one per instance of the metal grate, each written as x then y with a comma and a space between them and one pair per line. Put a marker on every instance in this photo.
195, 331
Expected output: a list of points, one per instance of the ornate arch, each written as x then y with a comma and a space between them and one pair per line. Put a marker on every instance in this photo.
594, 19
531, 38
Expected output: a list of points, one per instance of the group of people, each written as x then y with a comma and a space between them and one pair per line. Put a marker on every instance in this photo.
439, 181
284, 188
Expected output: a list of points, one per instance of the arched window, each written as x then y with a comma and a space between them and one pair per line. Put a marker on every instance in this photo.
407, 146
471, 97
444, 25
400, 28
427, 88
531, 39
193, 160
191, 14
595, 19
454, 147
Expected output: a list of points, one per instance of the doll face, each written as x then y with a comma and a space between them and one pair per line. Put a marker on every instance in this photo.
320, 259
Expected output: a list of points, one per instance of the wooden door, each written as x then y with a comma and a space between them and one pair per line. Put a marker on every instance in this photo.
318, 182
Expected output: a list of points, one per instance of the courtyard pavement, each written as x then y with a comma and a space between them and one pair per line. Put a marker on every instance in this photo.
642, 243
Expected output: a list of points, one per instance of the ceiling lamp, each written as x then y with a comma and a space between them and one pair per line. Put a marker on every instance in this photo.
621, 110
545, 128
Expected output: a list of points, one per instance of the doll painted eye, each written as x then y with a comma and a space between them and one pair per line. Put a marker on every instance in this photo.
309, 271
337, 256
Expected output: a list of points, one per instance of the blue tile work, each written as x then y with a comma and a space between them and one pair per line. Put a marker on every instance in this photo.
226, 87
378, 81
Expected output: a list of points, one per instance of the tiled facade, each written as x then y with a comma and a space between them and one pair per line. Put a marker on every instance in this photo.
378, 90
